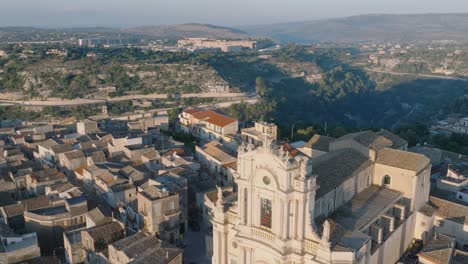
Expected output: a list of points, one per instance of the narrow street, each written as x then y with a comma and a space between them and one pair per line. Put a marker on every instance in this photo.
195, 252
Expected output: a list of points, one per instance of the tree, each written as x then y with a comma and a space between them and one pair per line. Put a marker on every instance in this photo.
173, 114
260, 87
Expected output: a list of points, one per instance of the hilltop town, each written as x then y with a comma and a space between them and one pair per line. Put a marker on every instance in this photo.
199, 188
203, 144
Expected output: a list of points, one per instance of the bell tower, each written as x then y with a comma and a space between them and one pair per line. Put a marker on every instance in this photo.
275, 207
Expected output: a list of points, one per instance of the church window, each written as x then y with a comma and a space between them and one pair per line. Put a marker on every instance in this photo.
266, 180
265, 213
387, 180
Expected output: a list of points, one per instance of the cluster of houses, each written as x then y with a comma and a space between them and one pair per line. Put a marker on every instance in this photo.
94, 192
451, 125
116, 191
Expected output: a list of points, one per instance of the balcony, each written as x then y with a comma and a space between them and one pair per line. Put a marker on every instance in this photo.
310, 247
263, 234
231, 217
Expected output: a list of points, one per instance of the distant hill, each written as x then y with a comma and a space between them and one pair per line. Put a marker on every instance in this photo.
405, 28
188, 30
172, 32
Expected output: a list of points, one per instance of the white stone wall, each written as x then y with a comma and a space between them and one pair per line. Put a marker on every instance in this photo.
390, 251
451, 228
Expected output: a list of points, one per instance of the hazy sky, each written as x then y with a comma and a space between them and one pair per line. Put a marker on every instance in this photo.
121, 13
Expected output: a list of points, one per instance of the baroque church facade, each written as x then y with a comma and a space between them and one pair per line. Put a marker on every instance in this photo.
357, 202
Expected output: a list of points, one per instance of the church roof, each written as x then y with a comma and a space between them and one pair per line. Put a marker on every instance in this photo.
336, 167
376, 140
397, 141
365, 207
402, 159
368, 139
319, 142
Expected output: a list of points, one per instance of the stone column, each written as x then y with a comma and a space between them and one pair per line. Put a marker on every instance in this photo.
243, 256
249, 206
285, 219
301, 214
241, 206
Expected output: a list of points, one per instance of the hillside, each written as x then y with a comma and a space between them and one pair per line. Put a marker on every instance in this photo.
404, 28
172, 32
187, 30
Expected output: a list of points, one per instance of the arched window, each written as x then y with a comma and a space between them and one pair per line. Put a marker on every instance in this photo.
265, 213
387, 180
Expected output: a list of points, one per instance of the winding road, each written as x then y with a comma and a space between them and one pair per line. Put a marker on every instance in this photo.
418, 74
82, 101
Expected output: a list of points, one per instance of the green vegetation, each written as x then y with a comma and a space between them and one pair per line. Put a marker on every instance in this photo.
118, 108
189, 140
345, 98
15, 112
11, 79
418, 133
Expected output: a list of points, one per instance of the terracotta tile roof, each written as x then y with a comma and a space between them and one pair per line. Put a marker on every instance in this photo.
191, 111
214, 118
178, 151
402, 159
292, 150
80, 170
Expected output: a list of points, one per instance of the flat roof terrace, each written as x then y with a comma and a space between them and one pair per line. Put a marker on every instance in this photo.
366, 207
51, 211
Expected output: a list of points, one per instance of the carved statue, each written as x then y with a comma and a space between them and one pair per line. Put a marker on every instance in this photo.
220, 200
326, 233
303, 168
250, 147
241, 148
281, 151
